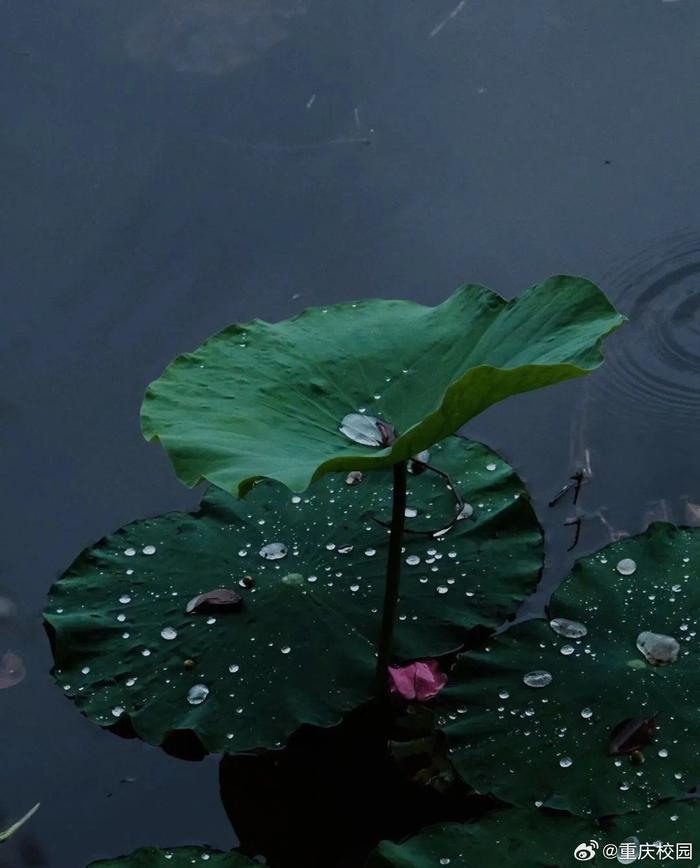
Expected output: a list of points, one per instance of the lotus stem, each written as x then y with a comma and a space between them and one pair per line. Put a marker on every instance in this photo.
393, 578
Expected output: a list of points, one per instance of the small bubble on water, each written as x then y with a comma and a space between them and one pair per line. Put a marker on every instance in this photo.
538, 678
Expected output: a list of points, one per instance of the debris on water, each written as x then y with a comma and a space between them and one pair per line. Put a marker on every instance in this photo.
626, 567
7, 609
631, 735
354, 477
367, 430
538, 678
218, 600
568, 629
657, 648
197, 694
273, 551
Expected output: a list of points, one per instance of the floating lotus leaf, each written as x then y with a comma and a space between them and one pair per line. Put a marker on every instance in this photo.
601, 730
267, 400
301, 646
177, 857
528, 838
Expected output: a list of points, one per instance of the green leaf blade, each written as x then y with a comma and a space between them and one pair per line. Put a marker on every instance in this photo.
266, 400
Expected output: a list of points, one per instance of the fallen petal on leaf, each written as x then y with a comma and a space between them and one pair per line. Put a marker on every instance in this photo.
631, 735
419, 681
218, 600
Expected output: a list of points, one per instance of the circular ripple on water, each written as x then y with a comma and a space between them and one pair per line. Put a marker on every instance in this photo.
652, 365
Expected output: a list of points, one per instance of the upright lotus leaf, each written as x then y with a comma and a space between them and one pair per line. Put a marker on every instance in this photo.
528, 838
177, 857
131, 639
573, 715
268, 400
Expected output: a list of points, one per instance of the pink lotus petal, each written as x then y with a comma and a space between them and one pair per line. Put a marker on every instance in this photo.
12, 670
420, 681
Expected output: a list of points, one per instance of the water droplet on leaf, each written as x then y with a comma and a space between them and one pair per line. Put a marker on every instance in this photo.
626, 567
197, 694
273, 551
657, 648
568, 629
538, 678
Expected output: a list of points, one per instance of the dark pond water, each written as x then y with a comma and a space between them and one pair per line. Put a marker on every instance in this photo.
173, 165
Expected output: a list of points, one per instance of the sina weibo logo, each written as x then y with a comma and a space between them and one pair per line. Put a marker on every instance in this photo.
586, 852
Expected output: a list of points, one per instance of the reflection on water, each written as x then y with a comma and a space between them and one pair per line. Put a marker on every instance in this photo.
210, 36
653, 365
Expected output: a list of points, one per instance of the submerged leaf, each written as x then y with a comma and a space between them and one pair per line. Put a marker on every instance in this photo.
531, 838
178, 857
302, 650
277, 393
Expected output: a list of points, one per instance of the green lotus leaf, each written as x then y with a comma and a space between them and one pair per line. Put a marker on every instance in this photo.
177, 857
577, 743
301, 648
528, 838
267, 400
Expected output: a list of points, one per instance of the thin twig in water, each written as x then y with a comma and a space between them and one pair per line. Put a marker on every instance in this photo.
455, 12
577, 536
577, 481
